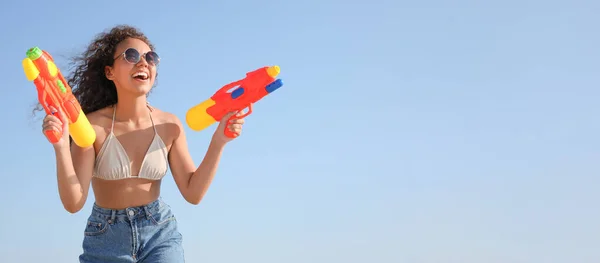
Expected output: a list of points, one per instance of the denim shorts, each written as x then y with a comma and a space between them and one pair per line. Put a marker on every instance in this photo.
145, 233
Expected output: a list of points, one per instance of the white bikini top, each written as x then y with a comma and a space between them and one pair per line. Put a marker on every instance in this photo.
112, 162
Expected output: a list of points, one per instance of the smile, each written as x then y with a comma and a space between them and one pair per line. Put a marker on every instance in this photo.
140, 75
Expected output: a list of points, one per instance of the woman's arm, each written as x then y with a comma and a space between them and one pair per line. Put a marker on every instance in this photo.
74, 172
193, 183
74, 165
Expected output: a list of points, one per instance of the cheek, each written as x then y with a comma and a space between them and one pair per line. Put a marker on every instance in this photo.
122, 73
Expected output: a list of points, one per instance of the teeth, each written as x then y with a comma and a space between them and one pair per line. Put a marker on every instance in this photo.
140, 74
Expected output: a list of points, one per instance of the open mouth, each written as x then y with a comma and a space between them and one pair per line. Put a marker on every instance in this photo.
140, 75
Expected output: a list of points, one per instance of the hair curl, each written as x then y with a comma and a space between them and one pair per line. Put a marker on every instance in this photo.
88, 80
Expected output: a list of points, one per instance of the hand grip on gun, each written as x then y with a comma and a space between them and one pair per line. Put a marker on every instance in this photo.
54, 91
234, 97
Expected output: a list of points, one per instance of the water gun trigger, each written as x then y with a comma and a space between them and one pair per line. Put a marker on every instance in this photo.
235, 116
245, 114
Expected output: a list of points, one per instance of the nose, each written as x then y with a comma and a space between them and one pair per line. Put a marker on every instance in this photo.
143, 61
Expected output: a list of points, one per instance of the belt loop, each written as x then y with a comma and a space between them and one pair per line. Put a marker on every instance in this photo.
112, 215
147, 212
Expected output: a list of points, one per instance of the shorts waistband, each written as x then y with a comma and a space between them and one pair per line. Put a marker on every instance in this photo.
151, 208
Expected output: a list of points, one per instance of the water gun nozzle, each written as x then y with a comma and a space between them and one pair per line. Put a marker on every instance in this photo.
273, 71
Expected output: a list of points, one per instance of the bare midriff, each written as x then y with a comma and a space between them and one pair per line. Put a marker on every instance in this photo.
120, 194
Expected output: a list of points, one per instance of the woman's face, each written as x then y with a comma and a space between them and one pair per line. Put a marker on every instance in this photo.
134, 69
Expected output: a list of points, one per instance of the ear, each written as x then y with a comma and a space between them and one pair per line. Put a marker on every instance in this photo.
108, 71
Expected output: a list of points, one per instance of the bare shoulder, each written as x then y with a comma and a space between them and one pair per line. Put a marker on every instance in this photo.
171, 123
101, 121
165, 117
101, 117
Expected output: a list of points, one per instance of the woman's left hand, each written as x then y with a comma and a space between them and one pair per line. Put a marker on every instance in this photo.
234, 127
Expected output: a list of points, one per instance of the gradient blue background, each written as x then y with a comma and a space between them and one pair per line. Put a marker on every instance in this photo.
406, 131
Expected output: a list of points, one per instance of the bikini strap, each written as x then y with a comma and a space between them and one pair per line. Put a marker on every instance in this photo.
152, 120
113, 118
115, 111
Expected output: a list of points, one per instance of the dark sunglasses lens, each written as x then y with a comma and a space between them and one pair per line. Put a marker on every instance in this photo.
132, 56
152, 58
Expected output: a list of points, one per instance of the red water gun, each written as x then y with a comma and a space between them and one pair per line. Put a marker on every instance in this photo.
234, 97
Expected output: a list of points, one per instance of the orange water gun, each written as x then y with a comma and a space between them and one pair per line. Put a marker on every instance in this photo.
54, 91
234, 97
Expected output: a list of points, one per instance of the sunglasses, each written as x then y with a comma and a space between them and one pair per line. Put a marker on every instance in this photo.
133, 56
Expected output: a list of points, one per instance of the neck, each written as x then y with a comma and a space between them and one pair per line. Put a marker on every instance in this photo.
132, 109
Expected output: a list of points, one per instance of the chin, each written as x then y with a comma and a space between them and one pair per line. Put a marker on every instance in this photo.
141, 87
142, 91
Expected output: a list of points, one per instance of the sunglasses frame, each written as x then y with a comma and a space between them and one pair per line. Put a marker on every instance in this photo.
140, 56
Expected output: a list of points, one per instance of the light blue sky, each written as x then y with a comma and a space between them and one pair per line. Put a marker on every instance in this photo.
437, 131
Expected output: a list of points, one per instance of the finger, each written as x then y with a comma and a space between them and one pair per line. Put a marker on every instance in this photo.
57, 113
52, 123
236, 131
227, 116
62, 117
235, 126
238, 121
51, 118
52, 128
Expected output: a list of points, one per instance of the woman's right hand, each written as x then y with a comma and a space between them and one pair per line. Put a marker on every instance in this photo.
57, 122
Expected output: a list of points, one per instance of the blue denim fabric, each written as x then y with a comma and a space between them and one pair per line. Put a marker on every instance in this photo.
138, 234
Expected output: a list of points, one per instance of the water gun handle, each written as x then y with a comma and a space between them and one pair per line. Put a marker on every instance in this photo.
52, 135
224, 90
228, 132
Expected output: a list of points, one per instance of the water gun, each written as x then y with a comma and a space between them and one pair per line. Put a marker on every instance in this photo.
54, 91
234, 97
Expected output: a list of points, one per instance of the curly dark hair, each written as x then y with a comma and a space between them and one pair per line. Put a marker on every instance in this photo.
88, 80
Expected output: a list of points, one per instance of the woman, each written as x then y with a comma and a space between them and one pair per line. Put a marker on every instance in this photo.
135, 145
